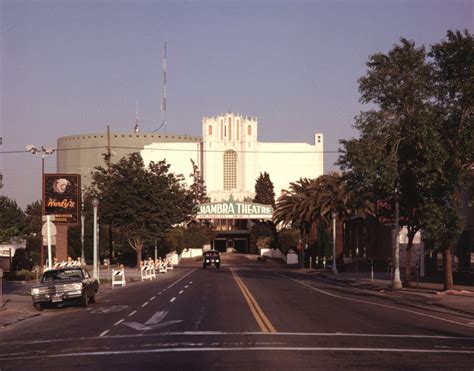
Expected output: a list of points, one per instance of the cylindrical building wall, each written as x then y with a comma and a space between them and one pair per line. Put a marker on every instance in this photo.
80, 154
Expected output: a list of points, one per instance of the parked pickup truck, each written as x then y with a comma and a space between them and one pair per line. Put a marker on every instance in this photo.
72, 284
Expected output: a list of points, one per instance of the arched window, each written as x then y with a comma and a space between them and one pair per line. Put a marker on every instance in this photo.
210, 129
230, 170
249, 130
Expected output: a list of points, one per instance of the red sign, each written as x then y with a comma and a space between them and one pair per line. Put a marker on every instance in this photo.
62, 197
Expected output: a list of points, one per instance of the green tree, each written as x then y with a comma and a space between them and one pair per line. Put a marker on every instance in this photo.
395, 156
262, 230
334, 196
264, 190
32, 230
287, 239
175, 239
198, 188
198, 234
417, 144
12, 220
453, 60
310, 202
143, 203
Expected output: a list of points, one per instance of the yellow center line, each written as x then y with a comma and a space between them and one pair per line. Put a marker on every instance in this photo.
257, 312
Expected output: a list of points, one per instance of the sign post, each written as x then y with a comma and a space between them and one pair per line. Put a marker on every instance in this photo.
1, 284
49, 229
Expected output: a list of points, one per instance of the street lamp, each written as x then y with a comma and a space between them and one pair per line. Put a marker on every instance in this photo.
95, 205
396, 283
83, 257
44, 152
334, 217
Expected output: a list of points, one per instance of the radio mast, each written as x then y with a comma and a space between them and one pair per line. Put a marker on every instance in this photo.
136, 128
164, 88
163, 92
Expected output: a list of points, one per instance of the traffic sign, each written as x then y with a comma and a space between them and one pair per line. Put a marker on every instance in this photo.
52, 229
45, 240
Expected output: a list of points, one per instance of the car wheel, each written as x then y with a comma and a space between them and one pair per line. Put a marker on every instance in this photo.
84, 300
38, 306
218, 266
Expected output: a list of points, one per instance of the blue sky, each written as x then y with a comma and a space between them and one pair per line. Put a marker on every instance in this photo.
73, 67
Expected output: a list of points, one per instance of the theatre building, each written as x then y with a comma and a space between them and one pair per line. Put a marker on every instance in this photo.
229, 157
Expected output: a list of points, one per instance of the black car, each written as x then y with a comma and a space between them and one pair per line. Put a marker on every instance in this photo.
211, 257
72, 284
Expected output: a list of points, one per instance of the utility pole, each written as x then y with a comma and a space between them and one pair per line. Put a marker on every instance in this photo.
396, 283
109, 170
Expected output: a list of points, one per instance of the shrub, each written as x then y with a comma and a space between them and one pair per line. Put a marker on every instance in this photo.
288, 239
23, 275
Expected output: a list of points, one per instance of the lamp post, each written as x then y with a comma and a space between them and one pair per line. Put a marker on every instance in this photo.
83, 257
95, 205
396, 283
334, 217
44, 152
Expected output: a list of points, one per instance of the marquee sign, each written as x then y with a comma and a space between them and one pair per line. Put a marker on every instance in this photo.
234, 210
62, 197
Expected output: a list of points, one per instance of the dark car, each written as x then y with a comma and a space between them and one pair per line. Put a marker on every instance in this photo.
72, 284
211, 257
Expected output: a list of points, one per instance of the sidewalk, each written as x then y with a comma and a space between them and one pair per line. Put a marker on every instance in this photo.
17, 305
461, 299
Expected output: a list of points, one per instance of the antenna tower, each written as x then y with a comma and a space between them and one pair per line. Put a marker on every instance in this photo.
136, 128
163, 93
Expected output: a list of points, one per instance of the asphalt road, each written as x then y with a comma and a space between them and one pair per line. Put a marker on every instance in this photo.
241, 317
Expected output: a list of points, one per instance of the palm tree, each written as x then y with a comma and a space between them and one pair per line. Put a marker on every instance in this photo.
336, 197
312, 201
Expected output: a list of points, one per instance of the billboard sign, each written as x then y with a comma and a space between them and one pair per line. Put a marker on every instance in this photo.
62, 197
234, 210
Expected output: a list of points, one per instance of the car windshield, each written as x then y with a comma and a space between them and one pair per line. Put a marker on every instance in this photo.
211, 254
58, 275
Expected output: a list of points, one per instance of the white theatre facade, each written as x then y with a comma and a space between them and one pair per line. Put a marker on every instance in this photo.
231, 158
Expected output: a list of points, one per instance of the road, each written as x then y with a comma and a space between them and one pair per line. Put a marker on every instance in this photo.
240, 317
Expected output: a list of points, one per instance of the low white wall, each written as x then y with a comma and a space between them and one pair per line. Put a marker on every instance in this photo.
191, 253
272, 253
292, 257
174, 257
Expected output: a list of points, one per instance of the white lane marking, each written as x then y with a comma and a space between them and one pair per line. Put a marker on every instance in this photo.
180, 292
152, 298
172, 299
104, 333
110, 309
210, 333
182, 278
160, 293
190, 282
186, 286
131, 314
118, 322
240, 349
144, 304
372, 303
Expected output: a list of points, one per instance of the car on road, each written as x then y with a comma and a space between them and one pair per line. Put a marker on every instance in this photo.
211, 257
69, 284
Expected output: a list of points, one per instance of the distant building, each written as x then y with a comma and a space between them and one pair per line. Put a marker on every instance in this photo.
81, 153
228, 155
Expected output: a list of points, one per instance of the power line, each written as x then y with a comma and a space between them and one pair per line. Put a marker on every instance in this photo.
105, 148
